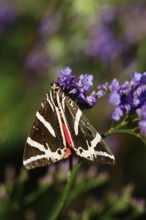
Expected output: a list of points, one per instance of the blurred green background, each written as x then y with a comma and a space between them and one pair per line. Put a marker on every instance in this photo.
37, 38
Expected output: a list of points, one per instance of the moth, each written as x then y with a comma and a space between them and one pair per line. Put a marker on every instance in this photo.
60, 127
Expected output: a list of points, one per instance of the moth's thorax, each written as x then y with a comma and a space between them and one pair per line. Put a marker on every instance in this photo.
56, 95
55, 87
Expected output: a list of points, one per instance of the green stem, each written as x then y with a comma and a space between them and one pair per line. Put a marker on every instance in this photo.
117, 128
82, 187
126, 131
62, 200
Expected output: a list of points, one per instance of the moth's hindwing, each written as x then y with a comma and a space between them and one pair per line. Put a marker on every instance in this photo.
45, 143
87, 141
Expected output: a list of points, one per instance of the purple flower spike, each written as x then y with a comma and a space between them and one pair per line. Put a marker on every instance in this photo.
77, 89
114, 86
114, 99
104, 86
136, 77
117, 114
66, 78
81, 97
92, 99
84, 83
127, 97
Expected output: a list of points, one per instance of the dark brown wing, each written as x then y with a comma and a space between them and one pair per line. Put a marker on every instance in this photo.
45, 143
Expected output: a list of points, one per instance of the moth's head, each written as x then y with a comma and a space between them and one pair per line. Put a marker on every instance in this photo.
55, 86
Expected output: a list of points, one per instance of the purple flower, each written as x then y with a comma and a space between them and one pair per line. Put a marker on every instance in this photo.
117, 113
92, 99
84, 83
100, 93
141, 112
142, 126
136, 77
136, 102
114, 99
114, 86
66, 78
104, 86
126, 107
87, 101
81, 97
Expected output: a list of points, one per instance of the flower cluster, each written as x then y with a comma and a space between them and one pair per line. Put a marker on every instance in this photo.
126, 98
113, 34
77, 88
104, 42
66, 78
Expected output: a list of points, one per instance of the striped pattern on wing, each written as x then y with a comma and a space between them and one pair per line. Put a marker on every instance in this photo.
87, 141
45, 143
